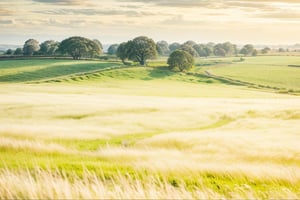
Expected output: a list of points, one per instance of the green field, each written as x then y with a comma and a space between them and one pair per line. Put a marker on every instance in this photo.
98, 129
32, 70
271, 72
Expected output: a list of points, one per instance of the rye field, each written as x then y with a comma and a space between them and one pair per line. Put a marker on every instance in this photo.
97, 129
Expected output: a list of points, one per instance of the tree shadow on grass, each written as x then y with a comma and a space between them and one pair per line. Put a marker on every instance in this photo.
54, 71
159, 73
15, 64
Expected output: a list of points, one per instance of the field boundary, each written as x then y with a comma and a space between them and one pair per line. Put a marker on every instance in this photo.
294, 66
251, 85
83, 75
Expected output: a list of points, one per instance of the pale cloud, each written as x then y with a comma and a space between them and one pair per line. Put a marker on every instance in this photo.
90, 12
272, 1
179, 19
7, 21
177, 3
5, 12
64, 23
239, 21
216, 4
62, 2
282, 15
204, 2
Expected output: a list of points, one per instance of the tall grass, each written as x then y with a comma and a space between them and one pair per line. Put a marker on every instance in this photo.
44, 184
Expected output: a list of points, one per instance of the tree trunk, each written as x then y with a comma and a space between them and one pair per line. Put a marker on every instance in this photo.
142, 62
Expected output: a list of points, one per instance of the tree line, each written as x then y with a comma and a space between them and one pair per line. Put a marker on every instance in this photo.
78, 47
196, 50
139, 49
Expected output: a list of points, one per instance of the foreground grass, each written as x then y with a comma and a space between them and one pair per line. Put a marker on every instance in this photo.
55, 184
96, 144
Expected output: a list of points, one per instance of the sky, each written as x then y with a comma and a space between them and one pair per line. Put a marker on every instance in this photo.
115, 21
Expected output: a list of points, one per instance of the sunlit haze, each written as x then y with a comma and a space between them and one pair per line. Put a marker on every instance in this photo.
114, 21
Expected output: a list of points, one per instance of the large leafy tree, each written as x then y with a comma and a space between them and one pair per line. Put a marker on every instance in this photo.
122, 51
49, 47
78, 47
99, 44
30, 47
180, 60
141, 49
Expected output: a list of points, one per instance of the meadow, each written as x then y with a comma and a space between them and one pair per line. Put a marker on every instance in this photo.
98, 129
270, 72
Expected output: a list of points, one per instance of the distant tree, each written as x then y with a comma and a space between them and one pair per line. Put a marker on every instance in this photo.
236, 51
49, 47
180, 60
254, 52
208, 50
30, 47
281, 50
18, 51
189, 49
122, 51
225, 49
141, 49
202, 50
190, 43
9, 52
247, 49
174, 46
162, 48
112, 49
229, 48
265, 50
210, 45
78, 47
219, 50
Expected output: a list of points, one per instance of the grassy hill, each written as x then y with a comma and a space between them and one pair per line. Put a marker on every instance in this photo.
269, 73
32, 70
94, 129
